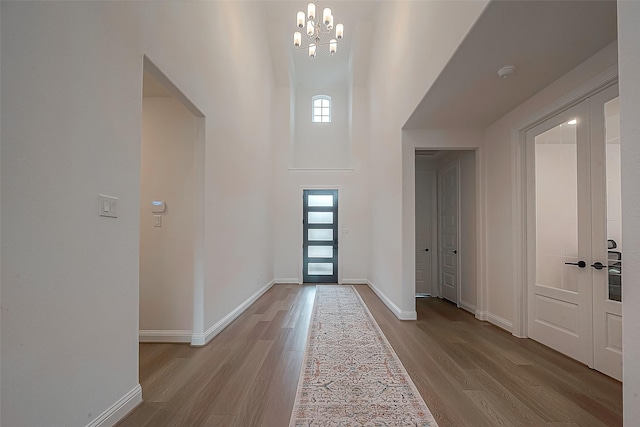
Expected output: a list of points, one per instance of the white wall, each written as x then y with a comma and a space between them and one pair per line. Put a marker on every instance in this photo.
322, 145
167, 252
0, 225
496, 161
628, 36
71, 122
398, 80
351, 182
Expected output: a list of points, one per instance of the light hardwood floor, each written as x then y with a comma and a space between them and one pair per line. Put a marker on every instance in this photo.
469, 373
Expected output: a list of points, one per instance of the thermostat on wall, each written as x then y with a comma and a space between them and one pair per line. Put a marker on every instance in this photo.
158, 206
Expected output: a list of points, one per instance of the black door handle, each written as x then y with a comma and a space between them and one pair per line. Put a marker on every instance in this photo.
426, 250
598, 265
580, 264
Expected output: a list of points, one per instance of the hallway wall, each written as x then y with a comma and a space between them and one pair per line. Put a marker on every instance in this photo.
398, 80
71, 129
628, 36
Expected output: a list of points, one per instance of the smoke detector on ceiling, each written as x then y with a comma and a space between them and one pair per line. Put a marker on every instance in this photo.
506, 72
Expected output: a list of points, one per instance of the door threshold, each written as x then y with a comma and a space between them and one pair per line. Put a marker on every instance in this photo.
422, 295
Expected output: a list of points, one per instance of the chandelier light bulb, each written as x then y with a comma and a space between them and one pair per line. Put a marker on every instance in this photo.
326, 16
333, 46
311, 11
320, 30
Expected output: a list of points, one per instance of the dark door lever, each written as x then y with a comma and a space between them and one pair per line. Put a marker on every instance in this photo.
580, 264
426, 250
598, 265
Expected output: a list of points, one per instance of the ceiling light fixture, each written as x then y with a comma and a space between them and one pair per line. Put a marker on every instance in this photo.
572, 122
318, 30
506, 72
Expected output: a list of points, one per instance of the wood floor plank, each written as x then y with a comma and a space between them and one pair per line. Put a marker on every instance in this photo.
520, 366
469, 373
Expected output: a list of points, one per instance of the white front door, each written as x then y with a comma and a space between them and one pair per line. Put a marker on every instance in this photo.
425, 189
448, 203
572, 289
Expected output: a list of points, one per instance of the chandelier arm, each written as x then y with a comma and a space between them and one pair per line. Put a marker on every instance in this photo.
307, 46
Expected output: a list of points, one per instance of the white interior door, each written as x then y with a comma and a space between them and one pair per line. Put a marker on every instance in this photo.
607, 232
448, 230
575, 247
425, 189
560, 287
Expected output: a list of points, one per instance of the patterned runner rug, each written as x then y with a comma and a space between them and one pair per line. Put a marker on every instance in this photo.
351, 376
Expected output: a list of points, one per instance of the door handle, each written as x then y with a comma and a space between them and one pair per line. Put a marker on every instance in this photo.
452, 251
426, 250
598, 265
580, 264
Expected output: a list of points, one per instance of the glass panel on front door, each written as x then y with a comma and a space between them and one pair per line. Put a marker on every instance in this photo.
320, 236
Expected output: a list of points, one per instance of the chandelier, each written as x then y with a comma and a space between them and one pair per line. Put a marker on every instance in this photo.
317, 32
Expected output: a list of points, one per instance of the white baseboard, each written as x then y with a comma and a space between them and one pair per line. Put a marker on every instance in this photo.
354, 281
400, 314
199, 340
496, 320
119, 410
165, 336
468, 307
289, 281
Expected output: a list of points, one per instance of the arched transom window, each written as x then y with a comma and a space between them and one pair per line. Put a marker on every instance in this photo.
321, 109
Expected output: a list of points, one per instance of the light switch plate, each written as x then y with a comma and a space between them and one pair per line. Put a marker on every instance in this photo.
108, 206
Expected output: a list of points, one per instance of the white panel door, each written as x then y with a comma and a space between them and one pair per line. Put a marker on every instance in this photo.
575, 235
607, 232
425, 189
448, 203
559, 202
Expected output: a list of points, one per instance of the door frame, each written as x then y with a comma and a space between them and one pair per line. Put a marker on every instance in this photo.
453, 165
197, 334
521, 200
606, 357
300, 228
306, 244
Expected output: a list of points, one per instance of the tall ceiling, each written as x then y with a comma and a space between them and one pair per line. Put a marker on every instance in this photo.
348, 66
543, 39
